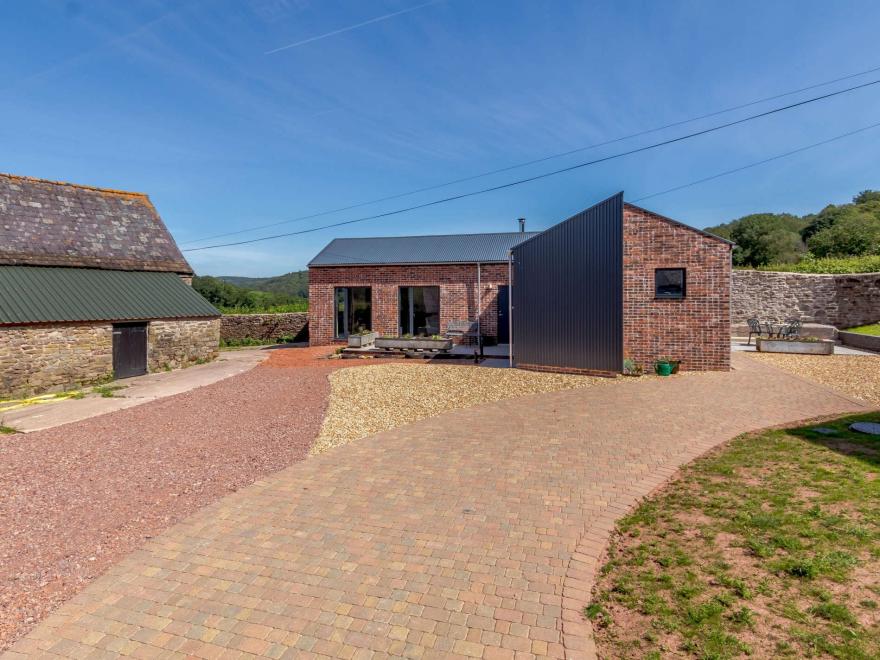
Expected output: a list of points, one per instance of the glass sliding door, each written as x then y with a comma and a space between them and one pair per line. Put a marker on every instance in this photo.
420, 310
353, 310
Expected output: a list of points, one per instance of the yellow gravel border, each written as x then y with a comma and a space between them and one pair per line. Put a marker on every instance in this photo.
855, 375
368, 400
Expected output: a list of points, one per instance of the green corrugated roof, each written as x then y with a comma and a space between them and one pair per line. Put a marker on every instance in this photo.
34, 294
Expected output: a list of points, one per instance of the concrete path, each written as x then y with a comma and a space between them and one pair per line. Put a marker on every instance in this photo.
137, 390
473, 534
740, 346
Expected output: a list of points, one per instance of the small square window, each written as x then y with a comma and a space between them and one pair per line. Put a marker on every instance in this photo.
669, 283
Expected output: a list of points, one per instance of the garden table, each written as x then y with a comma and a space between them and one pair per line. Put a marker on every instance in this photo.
774, 327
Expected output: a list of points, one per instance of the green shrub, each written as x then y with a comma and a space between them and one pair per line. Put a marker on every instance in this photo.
865, 264
295, 306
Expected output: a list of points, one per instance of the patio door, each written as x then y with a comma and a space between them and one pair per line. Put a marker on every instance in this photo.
419, 310
353, 310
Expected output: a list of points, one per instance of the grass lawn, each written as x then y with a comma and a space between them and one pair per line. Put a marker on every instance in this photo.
873, 329
768, 547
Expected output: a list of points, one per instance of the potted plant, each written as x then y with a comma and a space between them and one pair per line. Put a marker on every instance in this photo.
665, 366
362, 338
631, 367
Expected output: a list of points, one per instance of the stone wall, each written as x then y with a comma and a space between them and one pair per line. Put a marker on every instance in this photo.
857, 340
182, 342
843, 301
51, 358
47, 358
264, 326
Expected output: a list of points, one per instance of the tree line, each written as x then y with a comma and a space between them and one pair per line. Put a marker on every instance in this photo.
845, 230
230, 298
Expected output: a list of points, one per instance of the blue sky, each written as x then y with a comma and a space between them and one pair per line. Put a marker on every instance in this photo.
182, 99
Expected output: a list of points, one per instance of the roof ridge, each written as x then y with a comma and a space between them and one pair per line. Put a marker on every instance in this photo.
385, 238
111, 191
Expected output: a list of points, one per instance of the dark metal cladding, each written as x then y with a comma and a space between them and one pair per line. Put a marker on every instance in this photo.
567, 292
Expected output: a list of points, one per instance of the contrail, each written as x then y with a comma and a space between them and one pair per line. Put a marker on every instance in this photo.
351, 27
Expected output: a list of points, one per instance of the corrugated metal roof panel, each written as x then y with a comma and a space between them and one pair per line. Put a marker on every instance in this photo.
36, 294
451, 248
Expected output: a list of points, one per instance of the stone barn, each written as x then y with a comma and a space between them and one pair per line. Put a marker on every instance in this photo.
92, 287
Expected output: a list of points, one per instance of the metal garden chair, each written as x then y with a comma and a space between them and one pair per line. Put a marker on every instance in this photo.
791, 329
754, 329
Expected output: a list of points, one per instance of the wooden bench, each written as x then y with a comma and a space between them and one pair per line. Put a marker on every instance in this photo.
461, 329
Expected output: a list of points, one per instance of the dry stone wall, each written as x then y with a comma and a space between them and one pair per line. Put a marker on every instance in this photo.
266, 327
180, 343
50, 358
843, 301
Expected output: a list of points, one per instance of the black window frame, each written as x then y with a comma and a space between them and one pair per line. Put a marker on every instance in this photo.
670, 296
348, 312
409, 289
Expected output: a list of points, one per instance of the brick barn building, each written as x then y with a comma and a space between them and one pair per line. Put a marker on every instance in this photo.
612, 282
92, 286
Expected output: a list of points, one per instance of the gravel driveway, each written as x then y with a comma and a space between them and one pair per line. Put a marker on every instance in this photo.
469, 534
78, 497
855, 375
367, 401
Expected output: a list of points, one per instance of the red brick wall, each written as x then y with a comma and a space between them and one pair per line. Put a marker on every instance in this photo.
458, 294
696, 329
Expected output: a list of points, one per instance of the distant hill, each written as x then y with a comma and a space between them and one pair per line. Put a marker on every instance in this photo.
295, 284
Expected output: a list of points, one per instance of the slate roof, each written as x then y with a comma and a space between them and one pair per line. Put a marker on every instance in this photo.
50, 223
37, 294
406, 250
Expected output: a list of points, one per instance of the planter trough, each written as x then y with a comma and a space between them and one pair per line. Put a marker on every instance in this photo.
823, 347
415, 344
360, 341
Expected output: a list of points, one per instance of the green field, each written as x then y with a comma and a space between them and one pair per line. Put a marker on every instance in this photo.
768, 547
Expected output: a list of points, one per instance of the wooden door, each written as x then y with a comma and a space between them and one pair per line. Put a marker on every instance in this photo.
129, 349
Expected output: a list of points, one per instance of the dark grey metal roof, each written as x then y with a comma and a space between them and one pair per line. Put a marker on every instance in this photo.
446, 249
36, 294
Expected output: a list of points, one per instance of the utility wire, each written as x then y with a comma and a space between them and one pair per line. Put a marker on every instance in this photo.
531, 162
545, 175
759, 162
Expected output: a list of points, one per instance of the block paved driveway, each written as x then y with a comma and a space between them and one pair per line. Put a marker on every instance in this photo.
473, 534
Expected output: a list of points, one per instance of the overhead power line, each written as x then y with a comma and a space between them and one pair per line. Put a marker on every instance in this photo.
545, 175
758, 162
535, 161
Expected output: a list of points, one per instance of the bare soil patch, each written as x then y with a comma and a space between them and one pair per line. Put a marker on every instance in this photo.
768, 547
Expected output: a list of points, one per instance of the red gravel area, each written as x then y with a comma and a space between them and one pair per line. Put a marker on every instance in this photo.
78, 497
